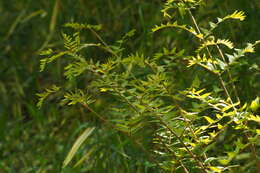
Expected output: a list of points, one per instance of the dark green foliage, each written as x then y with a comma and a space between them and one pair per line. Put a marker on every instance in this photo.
148, 99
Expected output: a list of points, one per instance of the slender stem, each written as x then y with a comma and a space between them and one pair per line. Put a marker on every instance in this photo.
106, 47
227, 93
229, 74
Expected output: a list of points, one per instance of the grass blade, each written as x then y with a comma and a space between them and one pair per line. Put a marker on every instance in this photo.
77, 144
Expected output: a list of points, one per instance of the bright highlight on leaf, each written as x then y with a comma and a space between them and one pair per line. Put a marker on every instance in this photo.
103, 89
240, 15
207, 43
255, 104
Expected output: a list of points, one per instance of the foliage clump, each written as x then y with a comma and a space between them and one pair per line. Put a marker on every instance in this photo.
204, 127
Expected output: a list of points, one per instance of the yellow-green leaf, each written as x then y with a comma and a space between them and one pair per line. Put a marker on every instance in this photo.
254, 118
220, 126
211, 121
240, 15
255, 104
216, 169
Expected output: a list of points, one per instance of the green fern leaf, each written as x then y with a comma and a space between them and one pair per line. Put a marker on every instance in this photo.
75, 69
72, 43
176, 25
72, 98
45, 61
207, 43
45, 94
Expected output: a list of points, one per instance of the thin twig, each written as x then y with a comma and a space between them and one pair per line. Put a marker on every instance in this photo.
229, 74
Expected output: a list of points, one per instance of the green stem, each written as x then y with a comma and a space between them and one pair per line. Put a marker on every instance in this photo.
229, 74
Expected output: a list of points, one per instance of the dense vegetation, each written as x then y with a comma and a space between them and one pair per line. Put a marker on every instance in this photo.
129, 86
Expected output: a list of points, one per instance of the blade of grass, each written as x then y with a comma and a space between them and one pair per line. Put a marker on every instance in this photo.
15, 24
77, 144
52, 25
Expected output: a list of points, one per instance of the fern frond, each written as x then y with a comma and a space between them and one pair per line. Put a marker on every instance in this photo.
46, 52
226, 42
200, 59
45, 61
176, 25
75, 69
207, 43
80, 26
46, 93
72, 43
182, 5
238, 15
72, 98
250, 48
126, 36
138, 59
203, 61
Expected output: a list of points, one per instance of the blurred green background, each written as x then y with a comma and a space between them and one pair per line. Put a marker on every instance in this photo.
37, 140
